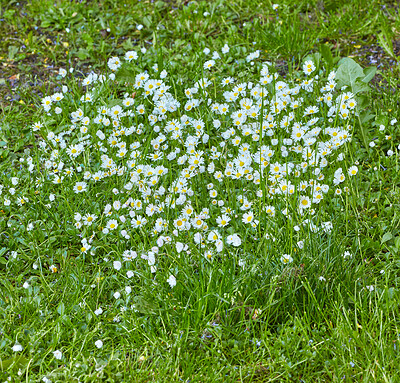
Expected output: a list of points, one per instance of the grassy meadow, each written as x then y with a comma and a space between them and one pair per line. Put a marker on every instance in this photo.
199, 191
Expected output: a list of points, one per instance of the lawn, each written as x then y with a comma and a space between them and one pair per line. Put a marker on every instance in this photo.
199, 191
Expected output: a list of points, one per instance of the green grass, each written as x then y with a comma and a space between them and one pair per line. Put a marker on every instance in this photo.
242, 314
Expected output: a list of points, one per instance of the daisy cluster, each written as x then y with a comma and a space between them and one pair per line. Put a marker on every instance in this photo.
205, 169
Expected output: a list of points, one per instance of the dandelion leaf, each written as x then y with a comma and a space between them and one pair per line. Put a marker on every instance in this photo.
386, 43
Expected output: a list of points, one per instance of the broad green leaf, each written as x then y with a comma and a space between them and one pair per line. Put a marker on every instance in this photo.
327, 54
18, 361
362, 101
369, 74
125, 75
351, 74
83, 54
160, 4
147, 21
114, 102
366, 116
359, 87
397, 242
348, 73
144, 306
9, 14
386, 237
381, 120
12, 51
61, 308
